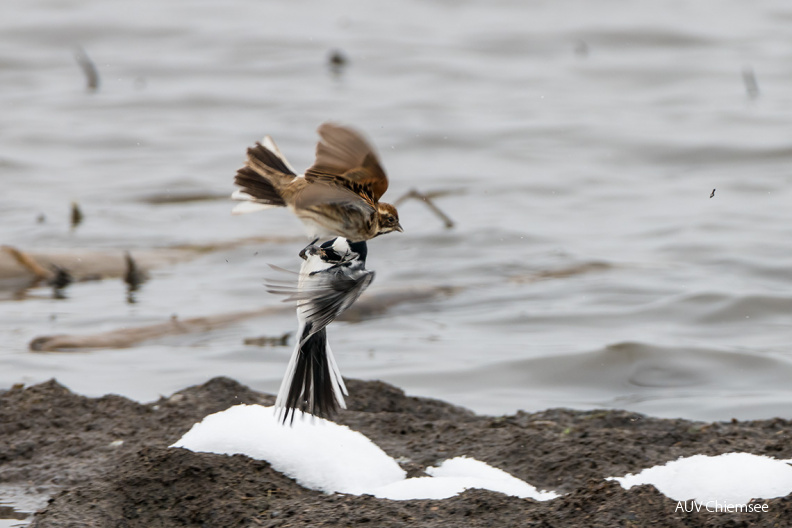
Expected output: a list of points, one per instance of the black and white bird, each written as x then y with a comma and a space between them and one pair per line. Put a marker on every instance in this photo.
330, 280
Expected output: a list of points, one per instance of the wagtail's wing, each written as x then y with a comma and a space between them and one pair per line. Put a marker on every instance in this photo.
333, 292
323, 295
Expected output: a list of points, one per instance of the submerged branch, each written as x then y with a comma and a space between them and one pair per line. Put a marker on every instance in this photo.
369, 305
127, 337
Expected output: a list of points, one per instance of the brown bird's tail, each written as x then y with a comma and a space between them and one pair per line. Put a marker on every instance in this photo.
265, 173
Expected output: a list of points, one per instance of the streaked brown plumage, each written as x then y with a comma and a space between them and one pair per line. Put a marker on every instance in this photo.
337, 196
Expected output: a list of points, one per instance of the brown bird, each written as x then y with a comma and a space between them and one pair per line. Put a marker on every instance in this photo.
337, 196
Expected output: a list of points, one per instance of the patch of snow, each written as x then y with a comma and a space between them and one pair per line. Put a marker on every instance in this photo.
325, 456
494, 478
422, 488
455, 476
731, 478
317, 453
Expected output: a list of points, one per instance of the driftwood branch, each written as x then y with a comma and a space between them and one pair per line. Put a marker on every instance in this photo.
269, 341
90, 264
562, 273
88, 68
127, 337
183, 197
368, 306
29, 263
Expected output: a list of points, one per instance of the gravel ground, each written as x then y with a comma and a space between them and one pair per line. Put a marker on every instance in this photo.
105, 463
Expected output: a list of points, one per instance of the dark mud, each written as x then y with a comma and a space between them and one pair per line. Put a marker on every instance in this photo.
106, 463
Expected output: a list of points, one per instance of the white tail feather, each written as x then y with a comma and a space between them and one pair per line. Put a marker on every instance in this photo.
242, 196
288, 378
250, 207
268, 143
339, 388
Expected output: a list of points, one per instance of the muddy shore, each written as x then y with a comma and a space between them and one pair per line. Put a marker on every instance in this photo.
105, 462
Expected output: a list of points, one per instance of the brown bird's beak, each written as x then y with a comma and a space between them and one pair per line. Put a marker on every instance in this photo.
399, 228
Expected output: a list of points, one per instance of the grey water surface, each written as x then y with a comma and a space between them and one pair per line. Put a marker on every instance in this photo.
578, 143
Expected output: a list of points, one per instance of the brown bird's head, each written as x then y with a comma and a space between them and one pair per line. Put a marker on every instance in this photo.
388, 219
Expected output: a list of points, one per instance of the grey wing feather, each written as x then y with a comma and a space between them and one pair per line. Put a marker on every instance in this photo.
337, 292
324, 295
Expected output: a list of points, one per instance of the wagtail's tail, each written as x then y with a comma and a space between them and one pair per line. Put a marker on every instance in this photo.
312, 382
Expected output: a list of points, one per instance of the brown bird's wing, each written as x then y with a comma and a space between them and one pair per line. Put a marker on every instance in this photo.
321, 193
345, 159
337, 210
349, 214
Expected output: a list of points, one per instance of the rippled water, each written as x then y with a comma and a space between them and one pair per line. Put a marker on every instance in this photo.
579, 141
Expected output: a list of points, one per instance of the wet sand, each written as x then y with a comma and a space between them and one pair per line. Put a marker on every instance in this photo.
106, 463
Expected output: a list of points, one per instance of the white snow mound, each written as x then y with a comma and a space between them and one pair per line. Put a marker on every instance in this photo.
455, 476
318, 454
325, 456
731, 478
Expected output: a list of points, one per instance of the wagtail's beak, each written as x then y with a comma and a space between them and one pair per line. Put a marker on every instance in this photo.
399, 228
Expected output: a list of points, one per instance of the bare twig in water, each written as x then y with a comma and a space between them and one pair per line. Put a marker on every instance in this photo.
427, 199
88, 68
751, 86
59, 281
76, 215
133, 277
56, 276
337, 61
712, 195
265, 341
61, 278
29, 263
438, 193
